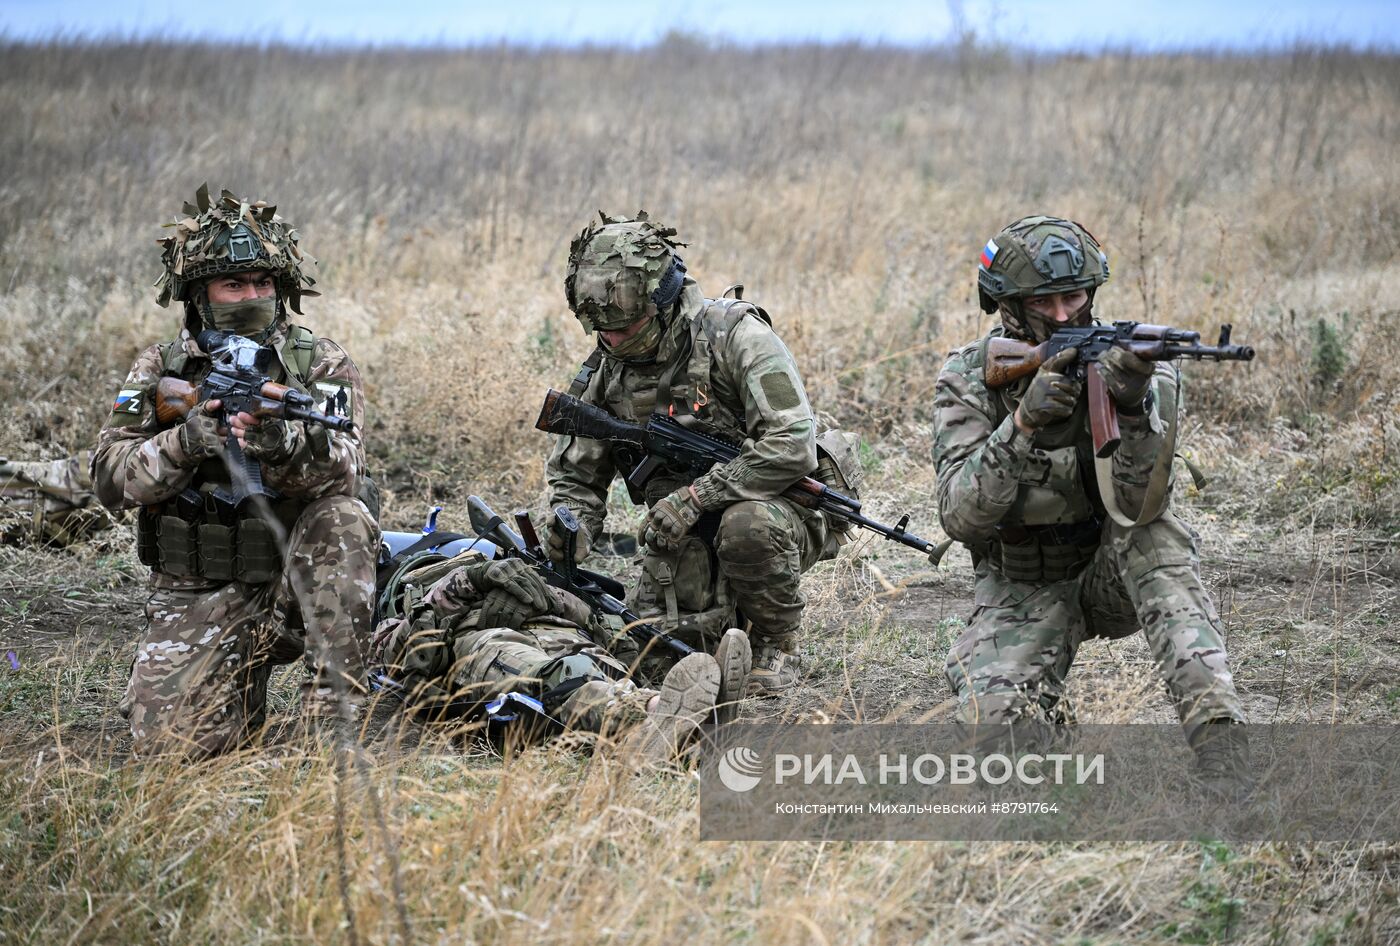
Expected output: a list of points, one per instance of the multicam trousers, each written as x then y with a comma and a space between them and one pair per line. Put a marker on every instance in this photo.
1014, 656
199, 678
761, 549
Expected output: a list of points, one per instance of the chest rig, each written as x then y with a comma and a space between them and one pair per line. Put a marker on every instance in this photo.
682, 388
198, 534
1055, 523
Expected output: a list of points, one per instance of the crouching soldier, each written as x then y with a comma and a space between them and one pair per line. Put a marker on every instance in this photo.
490, 645
1017, 486
727, 540
260, 551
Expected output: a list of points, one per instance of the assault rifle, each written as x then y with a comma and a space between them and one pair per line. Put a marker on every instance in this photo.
1009, 360
239, 380
598, 592
665, 442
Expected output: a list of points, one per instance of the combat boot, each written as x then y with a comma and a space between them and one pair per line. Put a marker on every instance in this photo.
774, 673
1222, 760
735, 658
686, 700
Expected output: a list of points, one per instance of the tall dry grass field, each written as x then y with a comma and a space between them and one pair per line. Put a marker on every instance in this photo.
850, 189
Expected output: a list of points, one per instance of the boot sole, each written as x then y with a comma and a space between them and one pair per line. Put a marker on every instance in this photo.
735, 658
687, 699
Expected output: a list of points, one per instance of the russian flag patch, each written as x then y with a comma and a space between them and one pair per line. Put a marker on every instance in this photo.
128, 401
989, 252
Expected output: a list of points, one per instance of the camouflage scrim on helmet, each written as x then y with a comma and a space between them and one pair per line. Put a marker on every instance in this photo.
1036, 256
617, 266
231, 235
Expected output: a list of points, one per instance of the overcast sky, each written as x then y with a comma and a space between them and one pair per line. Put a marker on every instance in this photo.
1043, 24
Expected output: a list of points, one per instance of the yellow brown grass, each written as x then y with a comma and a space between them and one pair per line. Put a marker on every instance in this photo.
850, 189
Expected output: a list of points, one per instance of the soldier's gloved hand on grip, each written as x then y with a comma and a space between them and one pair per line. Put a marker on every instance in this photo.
1051, 395
671, 518
1126, 376
555, 537
513, 577
269, 439
200, 437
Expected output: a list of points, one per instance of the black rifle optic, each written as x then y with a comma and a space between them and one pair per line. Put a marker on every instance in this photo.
239, 380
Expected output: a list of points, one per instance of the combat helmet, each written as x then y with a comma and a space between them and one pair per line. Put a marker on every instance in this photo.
1037, 256
617, 265
231, 235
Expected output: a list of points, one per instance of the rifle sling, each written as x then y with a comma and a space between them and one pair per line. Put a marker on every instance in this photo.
1154, 502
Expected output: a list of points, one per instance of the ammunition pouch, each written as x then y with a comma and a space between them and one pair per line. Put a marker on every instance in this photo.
198, 535
1044, 553
682, 589
838, 466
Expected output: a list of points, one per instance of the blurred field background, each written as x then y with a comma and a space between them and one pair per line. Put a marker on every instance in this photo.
850, 189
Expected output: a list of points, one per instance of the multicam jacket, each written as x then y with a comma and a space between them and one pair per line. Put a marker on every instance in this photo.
739, 383
139, 463
991, 475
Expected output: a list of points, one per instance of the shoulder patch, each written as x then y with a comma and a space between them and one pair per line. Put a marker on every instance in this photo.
779, 390
129, 401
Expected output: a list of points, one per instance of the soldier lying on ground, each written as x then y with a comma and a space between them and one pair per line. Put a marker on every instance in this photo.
241, 578
49, 501
1016, 486
491, 645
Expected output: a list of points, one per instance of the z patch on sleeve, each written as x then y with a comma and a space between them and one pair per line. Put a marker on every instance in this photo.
128, 408
777, 387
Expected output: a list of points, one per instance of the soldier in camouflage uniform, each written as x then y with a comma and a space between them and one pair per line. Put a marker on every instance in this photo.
1016, 486
491, 643
728, 538
236, 590
49, 501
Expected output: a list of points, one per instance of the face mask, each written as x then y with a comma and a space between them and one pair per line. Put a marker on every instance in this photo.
1039, 327
642, 345
243, 318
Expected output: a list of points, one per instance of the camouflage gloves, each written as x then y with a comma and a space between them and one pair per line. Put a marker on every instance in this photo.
272, 441
556, 538
1051, 395
1127, 378
515, 578
670, 519
199, 435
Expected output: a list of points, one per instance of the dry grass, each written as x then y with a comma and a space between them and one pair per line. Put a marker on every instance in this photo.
851, 190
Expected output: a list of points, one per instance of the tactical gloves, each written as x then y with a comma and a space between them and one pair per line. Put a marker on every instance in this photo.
515, 578
556, 537
199, 435
1052, 394
272, 440
1126, 376
670, 519
500, 608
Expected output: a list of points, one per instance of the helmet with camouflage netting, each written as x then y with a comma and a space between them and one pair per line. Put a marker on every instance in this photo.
617, 266
230, 235
1037, 256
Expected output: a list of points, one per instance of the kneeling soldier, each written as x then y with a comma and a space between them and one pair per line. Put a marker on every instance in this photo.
260, 550
1016, 485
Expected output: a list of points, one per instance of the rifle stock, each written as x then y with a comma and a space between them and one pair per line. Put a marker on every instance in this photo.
1009, 360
